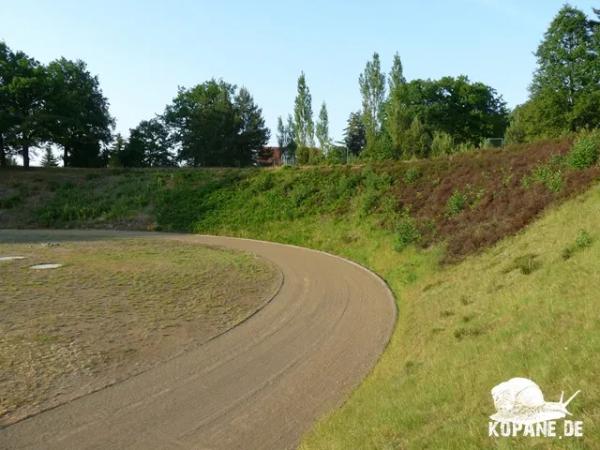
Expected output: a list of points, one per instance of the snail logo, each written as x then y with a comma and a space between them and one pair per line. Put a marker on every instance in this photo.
522, 409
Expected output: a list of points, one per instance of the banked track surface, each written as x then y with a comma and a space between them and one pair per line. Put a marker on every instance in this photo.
260, 385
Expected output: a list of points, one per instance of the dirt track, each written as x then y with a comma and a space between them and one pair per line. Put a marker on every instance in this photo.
259, 386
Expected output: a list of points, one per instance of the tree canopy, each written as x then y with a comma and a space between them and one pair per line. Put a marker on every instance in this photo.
214, 124
468, 111
373, 92
323, 129
355, 135
304, 127
60, 103
79, 120
565, 91
22, 112
285, 137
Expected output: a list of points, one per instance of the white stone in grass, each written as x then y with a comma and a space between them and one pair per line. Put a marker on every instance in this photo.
11, 258
45, 266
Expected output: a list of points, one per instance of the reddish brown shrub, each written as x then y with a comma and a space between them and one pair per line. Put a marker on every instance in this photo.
504, 205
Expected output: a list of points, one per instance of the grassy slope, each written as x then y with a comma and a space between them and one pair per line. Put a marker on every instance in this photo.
469, 201
462, 328
467, 327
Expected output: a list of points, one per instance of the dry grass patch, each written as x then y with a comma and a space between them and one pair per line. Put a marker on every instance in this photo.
114, 309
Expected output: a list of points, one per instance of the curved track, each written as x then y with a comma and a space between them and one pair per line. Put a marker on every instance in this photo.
261, 385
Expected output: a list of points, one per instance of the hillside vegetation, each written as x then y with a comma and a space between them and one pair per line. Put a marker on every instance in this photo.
467, 201
524, 307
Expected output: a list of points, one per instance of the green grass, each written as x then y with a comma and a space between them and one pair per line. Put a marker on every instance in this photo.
463, 329
519, 309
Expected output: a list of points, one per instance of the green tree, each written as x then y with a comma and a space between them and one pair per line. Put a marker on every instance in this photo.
116, 151
215, 125
441, 144
285, 136
204, 122
7, 118
564, 59
49, 160
468, 111
323, 129
398, 117
396, 78
418, 142
303, 114
22, 109
133, 151
77, 113
355, 136
252, 132
520, 126
152, 136
372, 89
565, 93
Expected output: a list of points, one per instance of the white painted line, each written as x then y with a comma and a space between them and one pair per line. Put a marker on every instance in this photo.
11, 258
46, 266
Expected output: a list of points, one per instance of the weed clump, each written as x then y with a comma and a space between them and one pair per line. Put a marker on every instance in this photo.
375, 185
456, 203
407, 232
465, 332
411, 175
459, 200
585, 151
526, 264
549, 175
583, 241
442, 144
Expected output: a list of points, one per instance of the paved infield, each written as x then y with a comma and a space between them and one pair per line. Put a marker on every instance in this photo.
260, 385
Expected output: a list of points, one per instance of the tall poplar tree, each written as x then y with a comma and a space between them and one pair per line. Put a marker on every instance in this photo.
398, 118
323, 129
303, 115
396, 79
372, 89
285, 136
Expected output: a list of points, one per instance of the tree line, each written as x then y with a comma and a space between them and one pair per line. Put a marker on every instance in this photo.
420, 118
399, 118
210, 124
60, 103
218, 124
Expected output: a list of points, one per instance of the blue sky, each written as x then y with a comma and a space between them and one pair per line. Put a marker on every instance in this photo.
142, 51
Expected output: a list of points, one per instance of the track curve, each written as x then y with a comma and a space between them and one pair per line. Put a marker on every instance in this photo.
261, 385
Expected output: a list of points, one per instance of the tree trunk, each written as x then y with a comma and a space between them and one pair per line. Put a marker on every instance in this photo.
2, 152
25, 156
